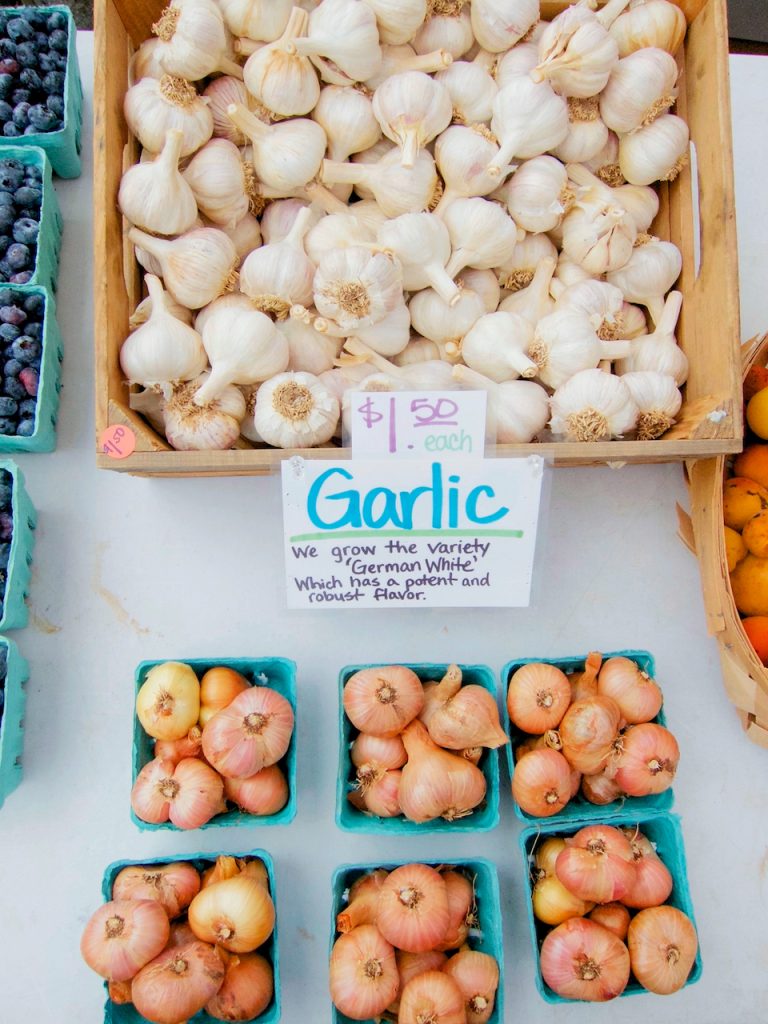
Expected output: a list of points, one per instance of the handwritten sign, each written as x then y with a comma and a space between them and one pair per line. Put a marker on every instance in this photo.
417, 426
389, 534
118, 442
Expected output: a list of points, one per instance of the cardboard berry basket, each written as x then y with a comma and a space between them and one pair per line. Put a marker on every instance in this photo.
710, 419
12, 718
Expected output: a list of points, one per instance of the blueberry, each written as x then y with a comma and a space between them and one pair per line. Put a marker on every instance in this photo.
25, 231
4, 243
26, 428
30, 79
30, 378
47, 62
25, 349
12, 368
9, 332
18, 256
42, 118
21, 96
41, 40
60, 60
35, 304
6, 111
11, 175
7, 84
7, 218
22, 277
34, 331
26, 54
19, 28
56, 104
9, 66
28, 195
21, 115
28, 408
8, 408
14, 388
7, 198
7, 48
6, 427
12, 314
6, 490
11, 131
53, 83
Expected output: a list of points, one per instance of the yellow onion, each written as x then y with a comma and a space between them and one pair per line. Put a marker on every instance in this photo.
363, 902
176, 750
582, 960
413, 908
437, 783
266, 792
432, 996
168, 703
383, 700
246, 991
363, 973
122, 936
436, 694
537, 697
589, 731
541, 783
178, 983
613, 916
597, 864
251, 733
225, 867
237, 913
119, 992
553, 903
218, 688
547, 854
461, 903
173, 885
477, 975
600, 789
662, 947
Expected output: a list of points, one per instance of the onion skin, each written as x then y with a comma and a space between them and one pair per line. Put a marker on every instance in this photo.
168, 702
553, 903
648, 760
237, 914
385, 752
583, 960
410, 965
638, 696
477, 975
266, 792
173, 885
614, 917
435, 782
218, 688
176, 750
461, 897
363, 973
413, 909
589, 731
247, 989
541, 783
538, 696
662, 947
383, 700
178, 983
363, 904
253, 732
597, 864
432, 996
122, 936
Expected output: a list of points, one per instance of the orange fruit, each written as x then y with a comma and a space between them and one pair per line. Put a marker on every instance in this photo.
749, 583
742, 499
756, 628
755, 535
757, 413
757, 378
753, 464
735, 548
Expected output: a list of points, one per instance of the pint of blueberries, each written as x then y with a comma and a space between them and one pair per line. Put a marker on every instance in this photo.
21, 197
6, 535
21, 347
33, 64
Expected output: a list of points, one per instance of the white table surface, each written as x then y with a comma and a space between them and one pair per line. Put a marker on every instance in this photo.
130, 569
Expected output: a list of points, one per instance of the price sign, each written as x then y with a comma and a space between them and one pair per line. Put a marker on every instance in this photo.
118, 442
411, 425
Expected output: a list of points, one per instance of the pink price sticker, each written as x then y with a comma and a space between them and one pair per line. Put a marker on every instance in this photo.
118, 442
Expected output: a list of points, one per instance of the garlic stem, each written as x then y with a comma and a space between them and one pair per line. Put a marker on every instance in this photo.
250, 125
336, 172
670, 314
608, 14
442, 282
246, 47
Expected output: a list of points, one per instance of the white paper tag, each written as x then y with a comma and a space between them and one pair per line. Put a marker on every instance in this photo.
388, 533
415, 425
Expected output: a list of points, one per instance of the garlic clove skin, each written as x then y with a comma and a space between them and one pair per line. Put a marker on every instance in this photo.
519, 61
641, 202
529, 118
343, 32
472, 90
565, 342
485, 284
659, 351
234, 300
641, 87
154, 107
601, 302
356, 288
418, 350
587, 133
143, 311
658, 399
569, 272
496, 344
196, 267
296, 410
593, 406
285, 155
193, 40
279, 78
412, 109
605, 165
372, 155
422, 244
222, 92
214, 427
649, 23
346, 116
398, 20
451, 32
220, 183
655, 152
599, 234
538, 194
154, 196
499, 24
257, 19
517, 410
428, 375
518, 271
245, 235
434, 319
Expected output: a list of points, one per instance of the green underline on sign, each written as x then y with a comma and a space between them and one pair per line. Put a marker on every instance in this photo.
340, 534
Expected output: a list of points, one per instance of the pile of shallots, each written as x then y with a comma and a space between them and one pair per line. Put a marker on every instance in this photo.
174, 940
404, 194
591, 733
420, 745
217, 739
588, 886
390, 962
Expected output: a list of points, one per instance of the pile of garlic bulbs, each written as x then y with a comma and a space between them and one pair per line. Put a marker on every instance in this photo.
396, 194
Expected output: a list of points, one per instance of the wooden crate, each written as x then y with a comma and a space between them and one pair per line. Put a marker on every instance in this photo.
710, 422
745, 676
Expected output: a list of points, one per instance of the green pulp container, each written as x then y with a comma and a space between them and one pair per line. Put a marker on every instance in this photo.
15, 613
51, 223
12, 720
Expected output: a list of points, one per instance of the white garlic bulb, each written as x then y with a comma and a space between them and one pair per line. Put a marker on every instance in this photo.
648, 275
372, 155
196, 267
154, 196
657, 397
634, 321
649, 23
496, 344
422, 244
337, 231
285, 155
565, 342
309, 350
587, 132
534, 302
569, 272
356, 288
428, 375
471, 87
397, 59
484, 283
516, 410
601, 302
220, 94
641, 87
520, 60
462, 155
593, 406
346, 376
641, 202
153, 108
445, 325
451, 31
164, 349
482, 234
659, 351
232, 300
528, 119
538, 194
370, 215
295, 410
398, 20
144, 63
256, 19
344, 33
418, 350
390, 335
346, 116
213, 427
598, 234
499, 24
245, 235
193, 40
142, 312
396, 189
605, 165
576, 53
278, 77
655, 152
222, 184
279, 275
518, 271
412, 109
278, 218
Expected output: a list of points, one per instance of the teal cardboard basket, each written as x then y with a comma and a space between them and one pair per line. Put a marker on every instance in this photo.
62, 147
277, 673
51, 223
12, 721
486, 938
579, 808
663, 829
15, 613
350, 819
43, 438
127, 1013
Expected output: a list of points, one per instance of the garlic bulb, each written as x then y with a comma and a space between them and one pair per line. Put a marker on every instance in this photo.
245, 235
213, 427
534, 302
418, 350
422, 244
149, 403
649, 23
648, 275
295, 410
370, 215
232, 300
343, 41
346, 376
601, 302
278, 275
396, 189
656, 152
390, 335
659, 351
448, 28
164, 349
337, 231
346, 116
462, 156
356, 288
528, 119
484, 283
142, 312
192, 37
412, 109
516, 410
482, 235
285, 155
220, 94
576, 53
144, 63
308, 349
587, 133
634, 320
154, 196
221, 183
605, 165
398, 59
429, 375
593, 406
471, 87
496, 344
598, 234
565, 342
197, 267
518, 271
398, 20
641, 87
153, 108
657, 397
278, 218
256, 19
519, 61
641, 202
538, 194
499, 24
445, 325
243, 348
372, 155
278, 77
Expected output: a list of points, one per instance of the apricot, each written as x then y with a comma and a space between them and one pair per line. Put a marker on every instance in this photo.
749, 583
742, 499
757, 413
735, 548
753, 464
755, 535
756, 628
